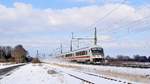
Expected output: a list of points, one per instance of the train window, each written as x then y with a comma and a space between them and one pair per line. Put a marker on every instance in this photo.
85, 53
69, 55
77, 53
97, 51
81, 53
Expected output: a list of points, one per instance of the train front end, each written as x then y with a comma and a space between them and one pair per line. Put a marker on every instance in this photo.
97, 55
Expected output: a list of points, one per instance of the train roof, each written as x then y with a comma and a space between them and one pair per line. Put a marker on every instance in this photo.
88, 47
84, 48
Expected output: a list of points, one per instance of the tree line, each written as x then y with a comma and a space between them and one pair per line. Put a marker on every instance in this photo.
17, 54
136, 58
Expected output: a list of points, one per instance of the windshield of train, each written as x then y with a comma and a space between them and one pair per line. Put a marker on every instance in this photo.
97, 51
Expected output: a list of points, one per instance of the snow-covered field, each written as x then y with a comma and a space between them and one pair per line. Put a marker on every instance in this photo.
96, 79
127, 70
60, 72
138, 75
47, 74
37, 74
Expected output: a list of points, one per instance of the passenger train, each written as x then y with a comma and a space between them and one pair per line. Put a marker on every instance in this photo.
94, 54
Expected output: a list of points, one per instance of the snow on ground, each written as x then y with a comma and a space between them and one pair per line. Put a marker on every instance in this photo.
138, 75
128, 70
36, 74
5, 65
50, 74
96, 80
57, 72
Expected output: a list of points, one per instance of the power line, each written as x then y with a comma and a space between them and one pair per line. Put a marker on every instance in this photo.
78, 39
109, 13
128, 25
100, 19
134, 22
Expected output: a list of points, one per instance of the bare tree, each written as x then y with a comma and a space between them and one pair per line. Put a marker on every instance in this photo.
19, 54
123, 58
139, 58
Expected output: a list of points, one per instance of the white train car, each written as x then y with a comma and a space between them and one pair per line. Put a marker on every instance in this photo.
92, 54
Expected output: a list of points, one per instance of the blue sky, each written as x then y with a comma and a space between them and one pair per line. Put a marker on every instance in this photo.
44, 24
59, 4
47, 3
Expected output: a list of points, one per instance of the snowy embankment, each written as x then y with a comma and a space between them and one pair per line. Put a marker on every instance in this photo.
128, 70
61, 72
138, 75
6, 65
95, 79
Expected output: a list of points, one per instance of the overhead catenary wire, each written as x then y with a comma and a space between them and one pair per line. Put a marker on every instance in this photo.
142, 49
108, 13
133, 23
128, 25
102, 18
143, 23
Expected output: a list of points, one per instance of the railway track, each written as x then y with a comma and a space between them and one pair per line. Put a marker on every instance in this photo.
123, 78
128, 65
95, 75
86, 81
121, 65
108, 78
79, 78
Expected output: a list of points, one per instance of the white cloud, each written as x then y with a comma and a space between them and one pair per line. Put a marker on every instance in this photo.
22, 6
23, 18
105, 38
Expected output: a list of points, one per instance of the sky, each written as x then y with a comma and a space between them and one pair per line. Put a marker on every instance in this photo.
122, 25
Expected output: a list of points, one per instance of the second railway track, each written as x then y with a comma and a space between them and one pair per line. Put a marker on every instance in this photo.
91, 78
